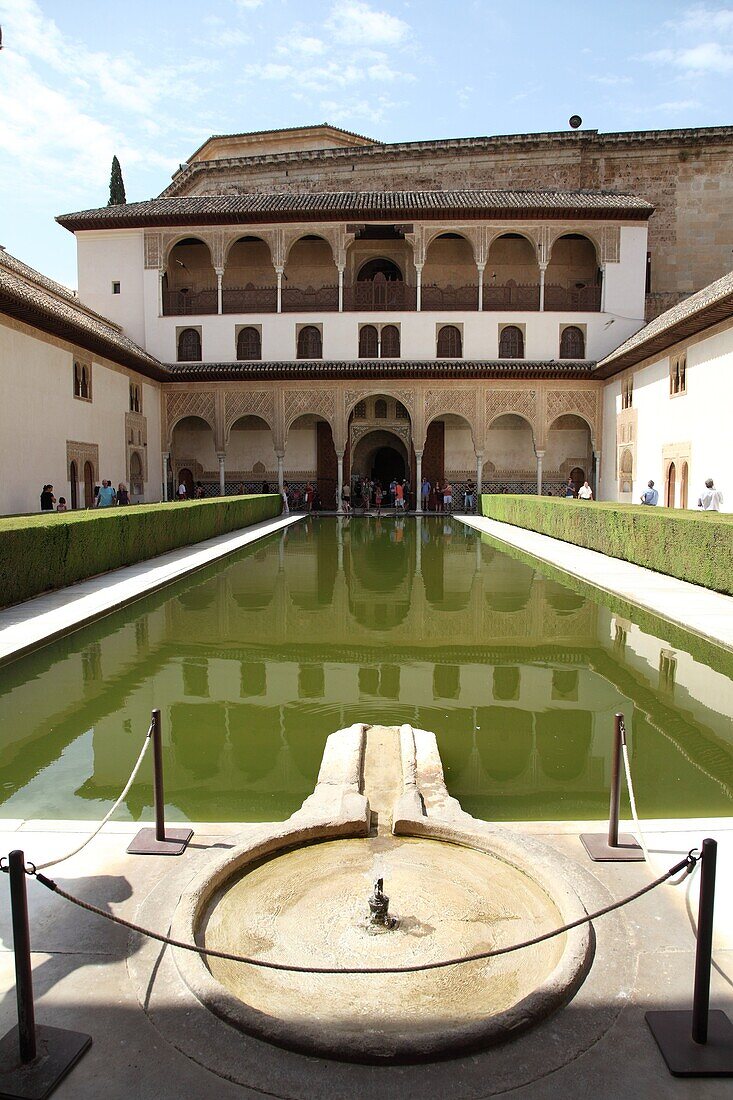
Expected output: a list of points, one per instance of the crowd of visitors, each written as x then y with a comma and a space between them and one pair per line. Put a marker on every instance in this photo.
105, 496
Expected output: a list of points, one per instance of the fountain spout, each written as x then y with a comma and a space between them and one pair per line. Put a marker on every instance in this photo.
379, 909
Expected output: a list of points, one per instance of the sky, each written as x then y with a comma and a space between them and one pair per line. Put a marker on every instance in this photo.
150, 80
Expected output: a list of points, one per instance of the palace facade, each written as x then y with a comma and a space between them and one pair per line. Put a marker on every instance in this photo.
249, 328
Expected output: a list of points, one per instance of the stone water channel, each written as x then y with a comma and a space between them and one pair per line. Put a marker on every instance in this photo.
257, 659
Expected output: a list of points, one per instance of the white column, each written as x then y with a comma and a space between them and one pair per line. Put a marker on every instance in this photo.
540, 456
418, 483
341, 289
161, 275
221, 456
603, 288
165, 456
280, 475
219, 295
340, 482
543, 269
418, 293
481, 268
597, 475
279, 274
479, 484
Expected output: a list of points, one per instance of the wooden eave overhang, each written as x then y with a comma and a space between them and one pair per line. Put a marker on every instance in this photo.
320, 369
659, 342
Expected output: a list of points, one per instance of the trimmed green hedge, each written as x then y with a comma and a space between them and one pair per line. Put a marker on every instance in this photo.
47, 551
693, 546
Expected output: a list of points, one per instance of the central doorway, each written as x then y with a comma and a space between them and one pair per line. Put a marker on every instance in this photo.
387, 464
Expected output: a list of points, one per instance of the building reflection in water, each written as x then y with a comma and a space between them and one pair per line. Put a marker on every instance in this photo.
256, 661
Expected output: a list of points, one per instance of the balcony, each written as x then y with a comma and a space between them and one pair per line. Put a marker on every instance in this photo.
309, 299
511, 295
586, 299
249, 299
380, 295
448, 297
185, 303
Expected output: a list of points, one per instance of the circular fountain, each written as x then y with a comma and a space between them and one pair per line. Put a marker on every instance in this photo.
313, 893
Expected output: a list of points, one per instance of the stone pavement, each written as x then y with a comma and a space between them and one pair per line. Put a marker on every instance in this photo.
82, 981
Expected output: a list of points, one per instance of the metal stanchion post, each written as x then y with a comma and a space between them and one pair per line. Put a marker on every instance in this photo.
159, 841
614, 848
698, 1043
33, 1058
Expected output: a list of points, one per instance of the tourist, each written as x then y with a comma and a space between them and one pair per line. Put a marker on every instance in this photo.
399, 496
650, 495
447, 497
570, 489
425, 494
106, 496
393, 492
309, 497
284, 494
182, 493
711, 499
438, 496
199, 491
123, 497
47, 498
346, 496
469, 496
378, 498
61, 506
317, 502
406, 490
265, 487
585, 492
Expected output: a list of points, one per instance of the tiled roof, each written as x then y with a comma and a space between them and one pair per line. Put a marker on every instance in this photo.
38, 301
701, 310
305, 206
381, 368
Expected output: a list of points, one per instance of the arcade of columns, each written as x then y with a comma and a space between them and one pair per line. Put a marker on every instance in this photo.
477, 403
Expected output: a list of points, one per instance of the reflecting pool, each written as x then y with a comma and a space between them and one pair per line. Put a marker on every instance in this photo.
255, 660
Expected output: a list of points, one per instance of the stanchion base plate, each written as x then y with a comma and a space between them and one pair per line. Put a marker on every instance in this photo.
58, 1052
599, 850
685, 1058
145, 843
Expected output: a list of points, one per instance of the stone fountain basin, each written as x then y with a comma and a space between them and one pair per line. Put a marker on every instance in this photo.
455, 894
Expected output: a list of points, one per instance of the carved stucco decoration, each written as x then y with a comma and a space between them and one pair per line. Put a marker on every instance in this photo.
400, 429
460, 402
80, 453
153, 250
611, 244
583, 403
301, 402
500, 402
190, 403
407, 397
248, 403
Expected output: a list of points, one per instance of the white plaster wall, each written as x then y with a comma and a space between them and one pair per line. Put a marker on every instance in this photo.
510, 448
563, 444
43, 414
625, 282
418, 332
115, 255
248, 446
700, 417
459, 450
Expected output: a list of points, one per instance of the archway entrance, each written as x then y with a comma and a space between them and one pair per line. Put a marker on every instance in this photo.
88, 485
671, 485
74, 480
186, 477
381, 456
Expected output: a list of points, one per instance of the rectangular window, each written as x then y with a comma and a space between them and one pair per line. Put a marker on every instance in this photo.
115, 288
627, 393
136, 398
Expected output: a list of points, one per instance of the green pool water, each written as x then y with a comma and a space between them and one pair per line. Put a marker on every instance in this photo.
254, 661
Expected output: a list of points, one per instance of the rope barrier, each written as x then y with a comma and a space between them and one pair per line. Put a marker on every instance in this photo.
632, 799
687, 864
107, 816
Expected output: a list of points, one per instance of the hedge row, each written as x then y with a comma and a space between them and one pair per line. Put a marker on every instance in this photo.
42, 552
693, 546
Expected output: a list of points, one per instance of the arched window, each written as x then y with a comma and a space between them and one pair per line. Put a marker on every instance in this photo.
380, 409
368, 342
511, 343
400, 411
572, 343
77, 379
249, 343
390, 342
671, 486
683, 485
189, 346
310, 345
450, 344
360, 410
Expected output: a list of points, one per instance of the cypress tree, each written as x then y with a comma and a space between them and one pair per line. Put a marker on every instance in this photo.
116, 185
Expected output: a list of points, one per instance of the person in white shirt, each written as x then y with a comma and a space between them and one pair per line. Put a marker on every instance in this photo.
711, 499
585, 492
182, 492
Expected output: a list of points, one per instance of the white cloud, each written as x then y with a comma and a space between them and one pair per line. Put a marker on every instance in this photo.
356, 23
611, 81
675, 105
708, 57
248, 5
701, 19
